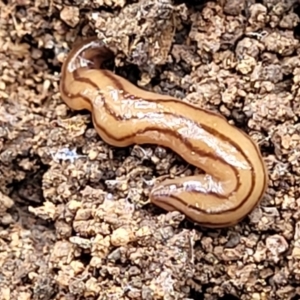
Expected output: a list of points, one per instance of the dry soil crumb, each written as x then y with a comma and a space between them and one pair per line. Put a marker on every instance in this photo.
74, 213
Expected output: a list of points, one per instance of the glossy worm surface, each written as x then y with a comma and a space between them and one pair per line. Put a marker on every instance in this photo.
235, 176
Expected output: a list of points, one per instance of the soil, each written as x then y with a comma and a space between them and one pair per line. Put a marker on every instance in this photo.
75, 218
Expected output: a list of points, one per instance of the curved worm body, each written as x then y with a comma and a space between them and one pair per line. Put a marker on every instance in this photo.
235, 176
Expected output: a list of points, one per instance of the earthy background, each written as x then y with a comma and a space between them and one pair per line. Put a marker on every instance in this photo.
74, 212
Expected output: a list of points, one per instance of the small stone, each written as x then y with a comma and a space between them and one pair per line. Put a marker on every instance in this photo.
121, 237
70, 15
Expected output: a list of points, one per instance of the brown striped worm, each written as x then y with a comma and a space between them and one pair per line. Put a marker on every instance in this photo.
235, 177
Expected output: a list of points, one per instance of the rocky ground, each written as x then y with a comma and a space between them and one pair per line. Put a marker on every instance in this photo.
75, 221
